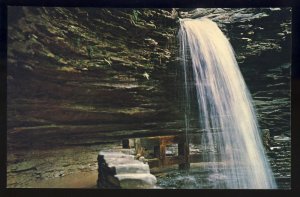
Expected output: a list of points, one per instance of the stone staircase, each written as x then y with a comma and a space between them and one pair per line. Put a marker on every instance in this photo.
118, 170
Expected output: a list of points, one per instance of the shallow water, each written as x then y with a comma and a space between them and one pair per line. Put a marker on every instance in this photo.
197, 178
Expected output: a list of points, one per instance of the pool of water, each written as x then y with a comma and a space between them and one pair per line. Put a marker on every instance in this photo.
200, 177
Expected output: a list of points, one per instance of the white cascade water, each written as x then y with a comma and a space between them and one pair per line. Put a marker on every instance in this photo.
226, 115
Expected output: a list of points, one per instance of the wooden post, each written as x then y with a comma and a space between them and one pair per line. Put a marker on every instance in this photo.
184, 150
125, 143
158, 145
157, 156
160, 153
156, 151
162, 156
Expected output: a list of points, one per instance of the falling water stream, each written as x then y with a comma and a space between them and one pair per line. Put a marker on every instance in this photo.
226, 117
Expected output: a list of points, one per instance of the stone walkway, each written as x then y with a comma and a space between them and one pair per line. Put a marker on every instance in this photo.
122, 171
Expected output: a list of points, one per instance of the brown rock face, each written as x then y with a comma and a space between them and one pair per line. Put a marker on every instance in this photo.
80, 75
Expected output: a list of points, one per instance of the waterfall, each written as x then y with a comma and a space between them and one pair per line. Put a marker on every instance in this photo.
226, 116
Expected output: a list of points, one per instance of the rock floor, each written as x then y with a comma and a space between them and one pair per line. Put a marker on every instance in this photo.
69, 167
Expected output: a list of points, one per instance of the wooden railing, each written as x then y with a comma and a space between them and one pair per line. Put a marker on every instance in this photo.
158, 146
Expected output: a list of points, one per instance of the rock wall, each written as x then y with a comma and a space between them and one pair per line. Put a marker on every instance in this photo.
80, 75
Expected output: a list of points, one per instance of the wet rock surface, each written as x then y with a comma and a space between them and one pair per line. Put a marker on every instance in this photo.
36, 168
79, 79
77, 69
123, 171
252, 31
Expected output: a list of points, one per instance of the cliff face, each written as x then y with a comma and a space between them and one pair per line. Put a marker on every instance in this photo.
86, 72
253, 32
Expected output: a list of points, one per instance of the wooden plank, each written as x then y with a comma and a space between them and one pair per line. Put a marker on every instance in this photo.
168, 140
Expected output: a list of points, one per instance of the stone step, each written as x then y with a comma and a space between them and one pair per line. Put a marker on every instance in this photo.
113, 157
103, 154
132, 168
119, 170
134, 181
126, 168
121, 161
